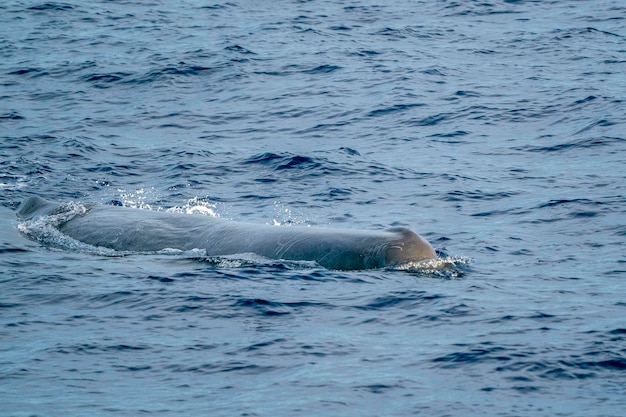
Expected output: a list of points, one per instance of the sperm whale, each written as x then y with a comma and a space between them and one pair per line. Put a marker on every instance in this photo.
141, 230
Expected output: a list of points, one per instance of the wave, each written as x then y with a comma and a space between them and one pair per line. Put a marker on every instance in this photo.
52, 6
576, 144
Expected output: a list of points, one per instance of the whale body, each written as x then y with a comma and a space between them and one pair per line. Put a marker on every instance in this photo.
140, 230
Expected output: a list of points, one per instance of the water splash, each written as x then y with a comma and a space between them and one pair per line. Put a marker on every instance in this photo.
449, 267
138, 198
45, 230
284, 215
196, 206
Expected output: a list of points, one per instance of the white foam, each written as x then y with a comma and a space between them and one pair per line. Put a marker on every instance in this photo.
445, 267
45, 230
196, 206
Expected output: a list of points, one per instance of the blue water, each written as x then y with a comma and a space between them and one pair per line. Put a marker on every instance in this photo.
494, 129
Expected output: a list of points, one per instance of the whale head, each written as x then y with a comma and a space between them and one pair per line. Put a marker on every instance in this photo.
409, 247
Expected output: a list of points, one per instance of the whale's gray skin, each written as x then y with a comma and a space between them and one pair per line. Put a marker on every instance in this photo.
128, 229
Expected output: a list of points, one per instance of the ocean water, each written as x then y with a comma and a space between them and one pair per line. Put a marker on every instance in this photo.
494, 129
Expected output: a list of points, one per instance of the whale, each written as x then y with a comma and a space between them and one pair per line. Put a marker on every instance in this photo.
144, 230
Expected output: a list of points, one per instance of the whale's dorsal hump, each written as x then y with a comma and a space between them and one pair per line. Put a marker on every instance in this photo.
34, 205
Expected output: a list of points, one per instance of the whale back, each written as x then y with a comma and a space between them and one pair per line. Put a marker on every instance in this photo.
128, 229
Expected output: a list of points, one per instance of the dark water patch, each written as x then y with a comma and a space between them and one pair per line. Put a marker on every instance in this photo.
613, 364
131, 299
603, 338
267, 158
619, 331
565, 202
95, 348
48, 278
273, 308
366, 53
263, 307
188, 153
262, 345
323, 129
219, 6
467, 93
80, 145
186, 308
583, 214
51, 298
575, 144
523, 252
393, 109
350, 151
52, 6
485, 51
4, 251
539, 316
286, 70
439, 72
592, 125
5, 305
282, 347
616, 272
201, 347
31, 72
259, 197
379, 388
103, 80
582, 207
296, 163
526, 363
335, 194
326, 349
418, 32
514, 211
564, 369
182, 68
236, 367
460, 9
161, 279
322, 69
543, 316
488, 354
447, 137
478, 195
299, 162
404, 300
432, 120
340, 28
120, 171
52, 147
194, 304
167, 73
11, 116
456, 177
459, 310
239, 49
562, 34
132, 368
266, 180
585, 100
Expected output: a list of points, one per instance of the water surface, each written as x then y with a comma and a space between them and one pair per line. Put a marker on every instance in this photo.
495, 130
